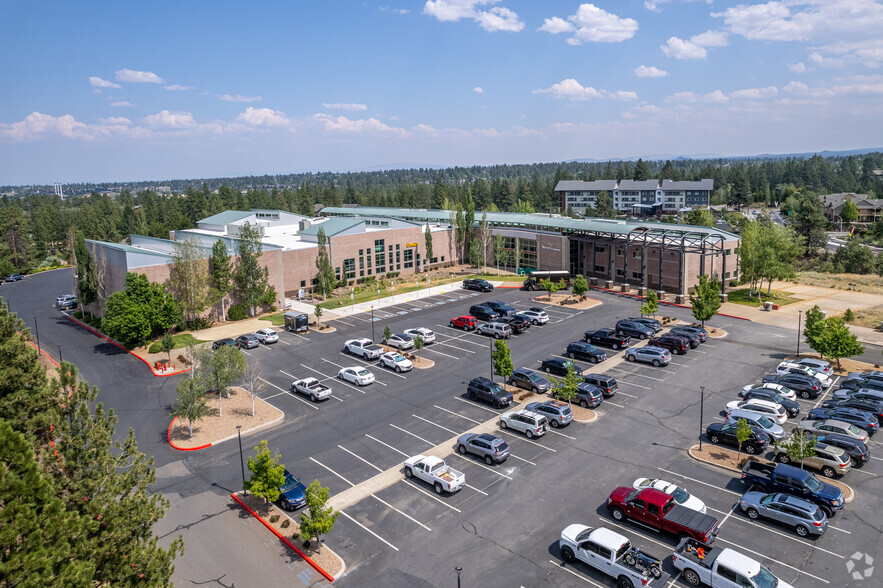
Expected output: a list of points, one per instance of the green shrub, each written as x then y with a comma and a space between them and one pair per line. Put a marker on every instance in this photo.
237, 312
198, 324
155, 347
848, 315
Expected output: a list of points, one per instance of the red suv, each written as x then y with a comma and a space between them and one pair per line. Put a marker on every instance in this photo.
675, 344
466, 322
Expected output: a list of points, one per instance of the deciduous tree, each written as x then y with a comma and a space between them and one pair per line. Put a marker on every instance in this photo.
743, 433
192, 402
267, 474
799, 446
252, 279
139, 312
580, 285
318, 519
189, 279
222, 275
706, 301
226, 365
502, 359
651, 305
325, 278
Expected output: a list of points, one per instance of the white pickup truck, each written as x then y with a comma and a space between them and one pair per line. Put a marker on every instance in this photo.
364, 348
721, 567
311, 387
612, 554
435, 471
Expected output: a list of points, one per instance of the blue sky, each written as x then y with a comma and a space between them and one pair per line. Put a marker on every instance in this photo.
105, 91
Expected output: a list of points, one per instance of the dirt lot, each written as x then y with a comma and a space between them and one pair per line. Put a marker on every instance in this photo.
213, 428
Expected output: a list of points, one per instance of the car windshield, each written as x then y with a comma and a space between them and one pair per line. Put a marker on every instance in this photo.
535, 378
680, 495
765, 579
584, 535
765, 422
768, 498
398, 357
290, 484
813, 483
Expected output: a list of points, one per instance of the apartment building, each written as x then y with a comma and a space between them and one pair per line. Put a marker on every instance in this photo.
642, 197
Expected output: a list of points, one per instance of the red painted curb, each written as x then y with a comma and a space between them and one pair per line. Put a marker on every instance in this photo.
169, 437
741, 318
147, 363
49, 357
284, 540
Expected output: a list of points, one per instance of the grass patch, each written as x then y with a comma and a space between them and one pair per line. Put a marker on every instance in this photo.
776, 297
180, 340
869, 283
277, 320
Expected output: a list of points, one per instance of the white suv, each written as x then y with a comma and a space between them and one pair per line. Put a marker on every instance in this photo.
772, 410
528, 422
497, 330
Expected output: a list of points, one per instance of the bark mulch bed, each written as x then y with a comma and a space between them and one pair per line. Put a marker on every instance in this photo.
568, 300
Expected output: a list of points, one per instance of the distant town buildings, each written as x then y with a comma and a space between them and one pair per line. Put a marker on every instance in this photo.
870, 210
637, 197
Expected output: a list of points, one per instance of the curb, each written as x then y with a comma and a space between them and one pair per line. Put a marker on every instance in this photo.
741, 318
169, 437
109, 340
219, 441
327, 576
49, 357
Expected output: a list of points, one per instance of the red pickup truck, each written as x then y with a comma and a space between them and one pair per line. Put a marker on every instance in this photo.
659, 511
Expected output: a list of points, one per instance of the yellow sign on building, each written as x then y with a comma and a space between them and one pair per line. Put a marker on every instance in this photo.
411, 244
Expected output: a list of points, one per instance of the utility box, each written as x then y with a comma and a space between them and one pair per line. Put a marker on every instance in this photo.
296, 322
768, 306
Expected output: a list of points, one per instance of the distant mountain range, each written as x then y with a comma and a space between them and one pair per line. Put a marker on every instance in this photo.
699, 156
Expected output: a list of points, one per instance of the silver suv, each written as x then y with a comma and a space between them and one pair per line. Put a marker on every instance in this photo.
66, 301
558, 414
801, 515
530, 423
831, 461
490, 448
498, 330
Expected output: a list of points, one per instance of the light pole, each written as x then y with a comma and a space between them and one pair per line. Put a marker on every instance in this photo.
372, 324
241, 458
799, 316
491, 341
60, 359
701, 414
37, 332
459, 570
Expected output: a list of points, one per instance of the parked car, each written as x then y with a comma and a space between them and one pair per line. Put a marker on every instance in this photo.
66, 302
680, 495
478, 284
694, 338
400, 341
396, 361
434, 471
465, 322
675, 344
795, 481
517, 323
557, 413
659, 511
606, 337
831, 461
820, 365
266, 336
700, 332
501, 308
779, 389
655, 355
490, 448
871, 406
611, 554
650, 322
536, 317
787, 367
558, 366
524, 421
831, 426
487, 391
311, 387
861, 419
633, 329
587, 396
529, 380
221, 342
770, 395
801, 515
482, 312
725, 434
874, 394
364, 348
721, 567
857, 451
767, 425
14, 277
292, 493
427, 335
868, 375
356, 375
805, 386
772, 410
855, 384
247, 341
606, 384
584, 351
495, 330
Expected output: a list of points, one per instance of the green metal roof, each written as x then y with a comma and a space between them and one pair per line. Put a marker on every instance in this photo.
226, 217
333, 226
537, 221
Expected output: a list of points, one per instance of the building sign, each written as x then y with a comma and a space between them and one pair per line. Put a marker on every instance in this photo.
411, 244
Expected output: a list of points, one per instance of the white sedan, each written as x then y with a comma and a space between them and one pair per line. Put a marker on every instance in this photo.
266, 336
680, 495
356, 375
426, 334
536, 317
396, 361
781, 390
400, 341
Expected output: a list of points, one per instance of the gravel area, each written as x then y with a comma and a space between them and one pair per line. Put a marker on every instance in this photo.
559, 300
213, 428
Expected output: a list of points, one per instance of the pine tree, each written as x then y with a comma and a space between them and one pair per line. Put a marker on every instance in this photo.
325, 278
642, 171
428, 252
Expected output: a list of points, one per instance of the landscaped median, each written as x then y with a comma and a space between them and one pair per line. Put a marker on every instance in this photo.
286, 529
732, 460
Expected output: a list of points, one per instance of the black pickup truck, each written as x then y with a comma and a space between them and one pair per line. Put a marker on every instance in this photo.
606, 337
794, 481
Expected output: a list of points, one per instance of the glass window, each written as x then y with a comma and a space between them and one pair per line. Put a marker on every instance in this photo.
409, 255
378, 245
349, 268
600, 268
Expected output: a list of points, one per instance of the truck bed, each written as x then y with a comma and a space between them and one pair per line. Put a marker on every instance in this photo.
691, 519
449, 475
758, 469
687, 547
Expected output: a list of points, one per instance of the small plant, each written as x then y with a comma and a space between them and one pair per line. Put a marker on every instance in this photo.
848, 315
237, 312
387, 333
274, 518
286, 523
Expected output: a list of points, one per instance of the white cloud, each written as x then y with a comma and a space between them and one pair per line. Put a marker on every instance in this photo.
497, 18
263, 117
171, 120
38, 126
178, 88
123, 103
570, 89
718, 96
344, 106
625, 96
115, 120
393, 10
478, 90
711, 39
681, 49
850, 87
342, 124
592, 24
823, 61
798, 67
131, 75
643, 71
100, 83
654, 4
238, 98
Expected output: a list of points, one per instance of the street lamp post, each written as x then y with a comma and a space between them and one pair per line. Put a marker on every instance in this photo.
799, 316
701, 414
241, 458
37, 332
491, 341
60, 359
459, 570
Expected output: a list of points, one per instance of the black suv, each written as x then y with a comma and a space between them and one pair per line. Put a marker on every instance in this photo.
490, 392
558, 366
480, 285
691, 336
805, 386
674, 343
698, 331
501, 307
725, 433
649, 322
585, 351
529, 380
482, 312
859, 383
633, 329
875, 407
606, 384
517, 323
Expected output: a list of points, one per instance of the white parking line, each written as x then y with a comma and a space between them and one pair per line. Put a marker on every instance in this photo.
301, 336
400, 512
341, 367
766, 529
335, 378
293, 393
521, 458
629, 395
387, 445
284, 342
318, 463
343, 322
360, 458
699, 482
470, 403
762, 556
440, 353
613, 404
369, 530
374, 365
728, 515
245, 352
473, 462
466, 417
635, 374
506, 431
435, 424
562, 434
414, 486
560, 566
289, 393
411, 434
